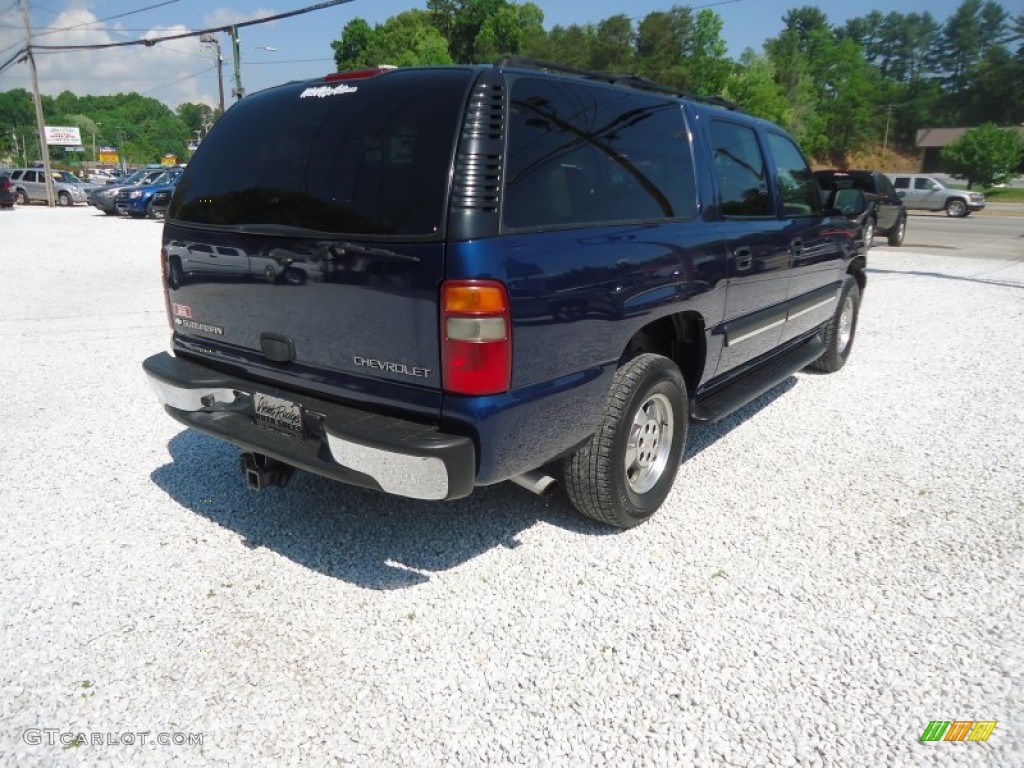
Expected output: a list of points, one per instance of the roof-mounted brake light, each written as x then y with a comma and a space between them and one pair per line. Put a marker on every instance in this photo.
358, 74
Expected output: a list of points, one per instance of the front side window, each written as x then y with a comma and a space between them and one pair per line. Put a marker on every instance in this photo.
923, 183
585, 154
796, 182
740, 170
362, 157
902, 182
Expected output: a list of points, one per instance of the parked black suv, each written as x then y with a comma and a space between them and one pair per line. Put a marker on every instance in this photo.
886, 213
495, 268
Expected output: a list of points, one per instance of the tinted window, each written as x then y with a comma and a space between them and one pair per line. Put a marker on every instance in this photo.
902, 182
796, 182
580, 154
885, 187
365, 157
740, 170
923, 183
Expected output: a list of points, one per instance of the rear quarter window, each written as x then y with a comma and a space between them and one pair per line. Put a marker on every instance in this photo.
590, 155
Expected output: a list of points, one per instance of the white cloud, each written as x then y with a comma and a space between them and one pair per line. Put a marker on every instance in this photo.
173, 72
224, 17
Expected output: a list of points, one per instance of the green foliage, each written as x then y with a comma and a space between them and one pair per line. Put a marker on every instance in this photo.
406, 40
985, 155
143, 128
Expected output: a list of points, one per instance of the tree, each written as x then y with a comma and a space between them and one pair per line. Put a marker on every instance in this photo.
985, 155
406, 40
752, 86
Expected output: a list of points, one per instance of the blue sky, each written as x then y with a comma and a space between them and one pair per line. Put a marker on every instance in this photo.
180, 71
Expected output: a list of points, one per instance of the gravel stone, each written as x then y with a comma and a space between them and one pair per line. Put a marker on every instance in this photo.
838, 564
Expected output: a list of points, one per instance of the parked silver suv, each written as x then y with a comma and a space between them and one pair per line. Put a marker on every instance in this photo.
30, 186
921, 192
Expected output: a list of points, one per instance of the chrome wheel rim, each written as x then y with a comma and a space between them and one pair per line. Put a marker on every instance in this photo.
649, 443
845, 324
869, 233
901, 229
956, 208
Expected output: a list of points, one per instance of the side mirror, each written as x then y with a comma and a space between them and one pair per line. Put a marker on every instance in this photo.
901, 194
849, 202
936, 187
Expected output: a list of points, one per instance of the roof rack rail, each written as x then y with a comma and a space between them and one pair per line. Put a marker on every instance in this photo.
626, 79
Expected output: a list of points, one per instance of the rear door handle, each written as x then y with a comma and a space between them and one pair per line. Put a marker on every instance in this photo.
744, 257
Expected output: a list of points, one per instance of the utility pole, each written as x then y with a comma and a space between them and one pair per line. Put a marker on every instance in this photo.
885, 141
44, 149
238, 91
211, 38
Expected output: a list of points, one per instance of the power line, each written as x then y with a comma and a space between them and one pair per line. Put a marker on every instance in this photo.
151, 41
54, 30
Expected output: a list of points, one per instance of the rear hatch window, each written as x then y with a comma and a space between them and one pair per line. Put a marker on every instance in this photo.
361, 157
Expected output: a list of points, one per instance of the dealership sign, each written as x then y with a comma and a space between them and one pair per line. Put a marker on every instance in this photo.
68, 136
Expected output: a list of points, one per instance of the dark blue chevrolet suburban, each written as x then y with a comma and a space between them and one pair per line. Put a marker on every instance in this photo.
425, 280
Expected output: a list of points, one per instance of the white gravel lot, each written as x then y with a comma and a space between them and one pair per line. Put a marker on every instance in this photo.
838, 564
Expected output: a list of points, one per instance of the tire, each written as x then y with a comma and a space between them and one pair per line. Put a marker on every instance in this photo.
270, 274
867, 232
897, 234
63, 199
841, 329
623, 486
956, 208
175, 274
149, 211
109, 211
22, 197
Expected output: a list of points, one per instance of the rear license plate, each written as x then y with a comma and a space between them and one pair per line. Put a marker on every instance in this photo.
278, 415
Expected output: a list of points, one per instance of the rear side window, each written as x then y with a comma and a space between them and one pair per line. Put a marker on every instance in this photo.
359, 157
796, 182
901, 182
740, 170
583, 154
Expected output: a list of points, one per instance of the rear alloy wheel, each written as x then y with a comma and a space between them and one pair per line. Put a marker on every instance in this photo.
867, 232
840, 330
956, 208
623, 475
63, 199
22, 197
897, 234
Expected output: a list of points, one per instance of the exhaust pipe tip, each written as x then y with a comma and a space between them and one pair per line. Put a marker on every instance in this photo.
536, 482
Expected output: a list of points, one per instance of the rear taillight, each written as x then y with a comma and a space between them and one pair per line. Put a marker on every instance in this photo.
476, 337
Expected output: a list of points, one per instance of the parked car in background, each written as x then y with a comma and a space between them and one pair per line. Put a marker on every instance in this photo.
105, 198
7, 197
886, 213
30, 186
921, 192
102, 176
161, 200
135, 201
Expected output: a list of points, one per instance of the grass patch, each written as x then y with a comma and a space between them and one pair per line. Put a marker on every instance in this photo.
1004, 195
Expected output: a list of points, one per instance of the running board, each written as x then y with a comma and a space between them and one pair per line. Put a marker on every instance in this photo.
750, 386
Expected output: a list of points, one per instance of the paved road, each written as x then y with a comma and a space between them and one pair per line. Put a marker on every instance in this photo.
978, 236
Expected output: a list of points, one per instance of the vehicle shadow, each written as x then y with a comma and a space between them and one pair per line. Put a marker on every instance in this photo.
702, 436
360, 536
